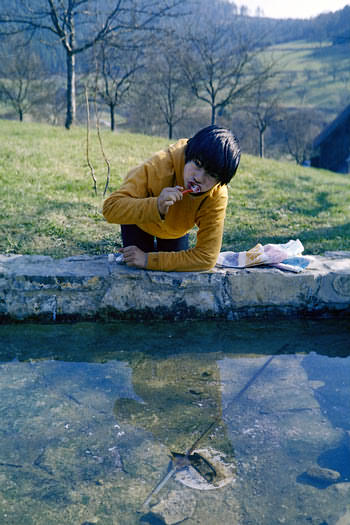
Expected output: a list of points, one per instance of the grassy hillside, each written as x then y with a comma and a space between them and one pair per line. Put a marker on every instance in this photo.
48, 205
320, 73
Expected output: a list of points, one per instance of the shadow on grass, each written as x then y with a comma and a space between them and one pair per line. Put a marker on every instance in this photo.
331, 53
324, 204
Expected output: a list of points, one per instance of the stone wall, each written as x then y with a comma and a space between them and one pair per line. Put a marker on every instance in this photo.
90, 287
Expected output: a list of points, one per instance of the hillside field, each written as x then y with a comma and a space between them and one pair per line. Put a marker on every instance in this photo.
319, 72
48, 205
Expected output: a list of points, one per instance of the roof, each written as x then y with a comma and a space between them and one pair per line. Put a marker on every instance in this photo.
340, 119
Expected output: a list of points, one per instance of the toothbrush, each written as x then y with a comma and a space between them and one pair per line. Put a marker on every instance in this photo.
193, 189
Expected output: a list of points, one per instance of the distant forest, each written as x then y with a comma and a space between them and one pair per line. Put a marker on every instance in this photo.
333, 27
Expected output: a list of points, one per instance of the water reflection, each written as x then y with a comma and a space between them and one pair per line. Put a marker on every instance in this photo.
180, 398
91, 413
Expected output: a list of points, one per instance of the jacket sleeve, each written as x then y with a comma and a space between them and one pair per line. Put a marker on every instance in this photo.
135, 202
210, 222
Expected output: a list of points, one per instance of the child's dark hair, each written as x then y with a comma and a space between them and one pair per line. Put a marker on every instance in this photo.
217, 150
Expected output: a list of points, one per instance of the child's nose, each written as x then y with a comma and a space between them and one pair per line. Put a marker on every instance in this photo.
200, 175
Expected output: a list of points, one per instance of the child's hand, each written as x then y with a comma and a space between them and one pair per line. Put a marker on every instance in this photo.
168, 197
133, 256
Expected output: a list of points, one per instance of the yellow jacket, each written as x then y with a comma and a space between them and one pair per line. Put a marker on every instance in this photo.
136, 203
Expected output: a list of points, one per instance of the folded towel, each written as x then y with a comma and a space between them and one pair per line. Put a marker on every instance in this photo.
283, 256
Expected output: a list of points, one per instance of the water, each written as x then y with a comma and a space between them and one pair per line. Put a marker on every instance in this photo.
90, 414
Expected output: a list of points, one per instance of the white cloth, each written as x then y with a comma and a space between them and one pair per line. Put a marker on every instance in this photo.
284, 256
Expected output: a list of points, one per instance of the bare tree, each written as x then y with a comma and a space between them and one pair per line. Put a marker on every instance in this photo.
143, 114
243, 10
170, 93
300, 127
22, 81
166, 84
79, 25
264, 106
117, 65
259, 12
218, 57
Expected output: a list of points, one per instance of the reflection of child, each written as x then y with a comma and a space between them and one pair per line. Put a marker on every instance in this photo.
155, 215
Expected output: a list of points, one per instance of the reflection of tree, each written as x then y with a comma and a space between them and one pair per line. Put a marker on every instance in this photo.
181, 398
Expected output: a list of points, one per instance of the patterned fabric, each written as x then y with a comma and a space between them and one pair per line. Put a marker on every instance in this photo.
283, 256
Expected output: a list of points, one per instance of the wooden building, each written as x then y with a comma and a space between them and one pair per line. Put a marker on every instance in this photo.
332, 146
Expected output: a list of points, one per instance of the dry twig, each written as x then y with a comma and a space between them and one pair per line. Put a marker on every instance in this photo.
101, 146
92, 171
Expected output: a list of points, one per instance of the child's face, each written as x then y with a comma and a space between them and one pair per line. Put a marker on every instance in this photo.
196, 176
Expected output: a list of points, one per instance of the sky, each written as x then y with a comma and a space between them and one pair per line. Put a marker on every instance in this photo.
293, 8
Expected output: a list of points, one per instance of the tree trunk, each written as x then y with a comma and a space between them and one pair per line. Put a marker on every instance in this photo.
71, 103
20, 114
170, 130
213, 115
261, 144
111, 111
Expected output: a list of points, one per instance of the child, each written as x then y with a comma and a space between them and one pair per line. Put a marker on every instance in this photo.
156, 216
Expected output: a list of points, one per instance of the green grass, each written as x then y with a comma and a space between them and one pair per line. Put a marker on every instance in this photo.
310, 65
48, 205
273, 201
